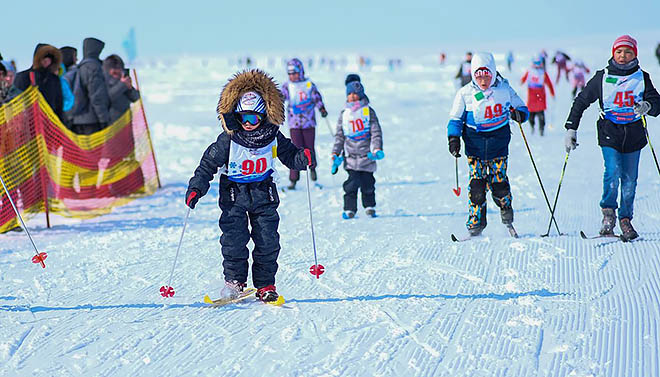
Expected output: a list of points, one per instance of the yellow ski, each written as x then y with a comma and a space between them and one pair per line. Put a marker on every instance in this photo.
221, 302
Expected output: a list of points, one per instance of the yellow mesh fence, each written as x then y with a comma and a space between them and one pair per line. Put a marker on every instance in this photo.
48, 168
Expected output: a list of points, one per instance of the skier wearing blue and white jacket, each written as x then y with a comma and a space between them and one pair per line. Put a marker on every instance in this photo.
480, 114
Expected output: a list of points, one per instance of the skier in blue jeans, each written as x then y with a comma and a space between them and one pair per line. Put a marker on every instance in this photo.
625, 94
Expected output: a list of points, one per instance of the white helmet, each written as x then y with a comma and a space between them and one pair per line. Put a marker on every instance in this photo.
251, 101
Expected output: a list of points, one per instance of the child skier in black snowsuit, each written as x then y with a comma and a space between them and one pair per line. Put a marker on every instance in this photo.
250, 110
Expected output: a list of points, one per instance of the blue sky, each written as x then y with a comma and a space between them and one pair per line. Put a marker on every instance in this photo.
166, 28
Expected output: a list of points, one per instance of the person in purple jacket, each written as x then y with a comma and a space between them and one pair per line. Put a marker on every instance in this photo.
302, 98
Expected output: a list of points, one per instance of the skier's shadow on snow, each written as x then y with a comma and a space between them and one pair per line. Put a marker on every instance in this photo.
476, 296
89, 307
401, 213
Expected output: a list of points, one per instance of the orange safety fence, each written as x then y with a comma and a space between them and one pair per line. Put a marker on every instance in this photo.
47, 168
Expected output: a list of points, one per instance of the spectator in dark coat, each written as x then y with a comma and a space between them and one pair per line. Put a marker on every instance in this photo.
120, 87
464, 70
69, 57
91, 111
7, 90
46, 60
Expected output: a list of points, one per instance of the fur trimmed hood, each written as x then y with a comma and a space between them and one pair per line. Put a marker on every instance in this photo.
44, 50
251, 80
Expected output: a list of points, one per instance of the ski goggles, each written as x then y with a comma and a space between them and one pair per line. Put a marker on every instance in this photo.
292, 69
250, 118
483, 71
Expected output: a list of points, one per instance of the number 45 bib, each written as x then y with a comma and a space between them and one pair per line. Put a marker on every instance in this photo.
355, 124
620, 93
250, 164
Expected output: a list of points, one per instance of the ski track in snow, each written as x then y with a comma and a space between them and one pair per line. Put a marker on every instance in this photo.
398, 296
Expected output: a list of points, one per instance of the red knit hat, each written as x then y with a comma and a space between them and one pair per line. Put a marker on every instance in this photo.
625, 41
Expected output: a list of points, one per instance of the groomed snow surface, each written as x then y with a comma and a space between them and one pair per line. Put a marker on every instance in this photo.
398, 298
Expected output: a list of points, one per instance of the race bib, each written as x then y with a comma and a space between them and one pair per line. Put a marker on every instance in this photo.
356, 123
535, 78
491, 108
300, 96
250, 164
620, 93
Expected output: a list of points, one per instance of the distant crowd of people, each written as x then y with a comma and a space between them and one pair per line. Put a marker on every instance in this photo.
87, 96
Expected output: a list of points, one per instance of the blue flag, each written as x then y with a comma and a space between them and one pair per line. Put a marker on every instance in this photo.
130, 45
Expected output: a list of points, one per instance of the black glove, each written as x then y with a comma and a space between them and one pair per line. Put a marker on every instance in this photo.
455, 146
324, 112
231, 122
192, 196
517, 115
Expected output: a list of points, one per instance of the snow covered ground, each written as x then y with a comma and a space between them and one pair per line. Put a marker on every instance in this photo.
398, 298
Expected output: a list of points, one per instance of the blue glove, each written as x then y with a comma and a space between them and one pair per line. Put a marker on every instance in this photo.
336, 161
378, 156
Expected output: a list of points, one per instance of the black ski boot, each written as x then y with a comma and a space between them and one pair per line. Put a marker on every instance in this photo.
628, 233
476, 230
292, 185
609, 222
507, 216
312, 174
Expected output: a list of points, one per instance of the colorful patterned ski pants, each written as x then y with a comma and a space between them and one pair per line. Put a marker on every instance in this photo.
488, 175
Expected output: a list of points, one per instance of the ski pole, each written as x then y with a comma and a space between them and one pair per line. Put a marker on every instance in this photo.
554, 205
457, 190
167, 290
327, 123
38, 257
317, 269
646, 130
529, 151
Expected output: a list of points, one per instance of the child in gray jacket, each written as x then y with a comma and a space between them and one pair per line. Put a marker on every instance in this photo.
358, 143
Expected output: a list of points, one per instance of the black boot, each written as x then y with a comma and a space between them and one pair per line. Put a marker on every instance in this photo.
627, 231
609, 222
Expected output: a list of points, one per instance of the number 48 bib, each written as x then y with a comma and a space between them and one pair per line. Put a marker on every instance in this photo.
355, 124
250, 164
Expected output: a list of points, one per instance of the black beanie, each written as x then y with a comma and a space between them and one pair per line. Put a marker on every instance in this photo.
351, 77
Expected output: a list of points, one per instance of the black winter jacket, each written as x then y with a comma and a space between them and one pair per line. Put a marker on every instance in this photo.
121, 97
625, 138
92, 98
48, 83
244, 194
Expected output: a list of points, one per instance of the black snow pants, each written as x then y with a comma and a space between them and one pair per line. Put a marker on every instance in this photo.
254, 204
365, 182
541, 116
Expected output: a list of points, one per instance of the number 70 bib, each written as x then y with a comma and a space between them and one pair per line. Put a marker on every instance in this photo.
355, 124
